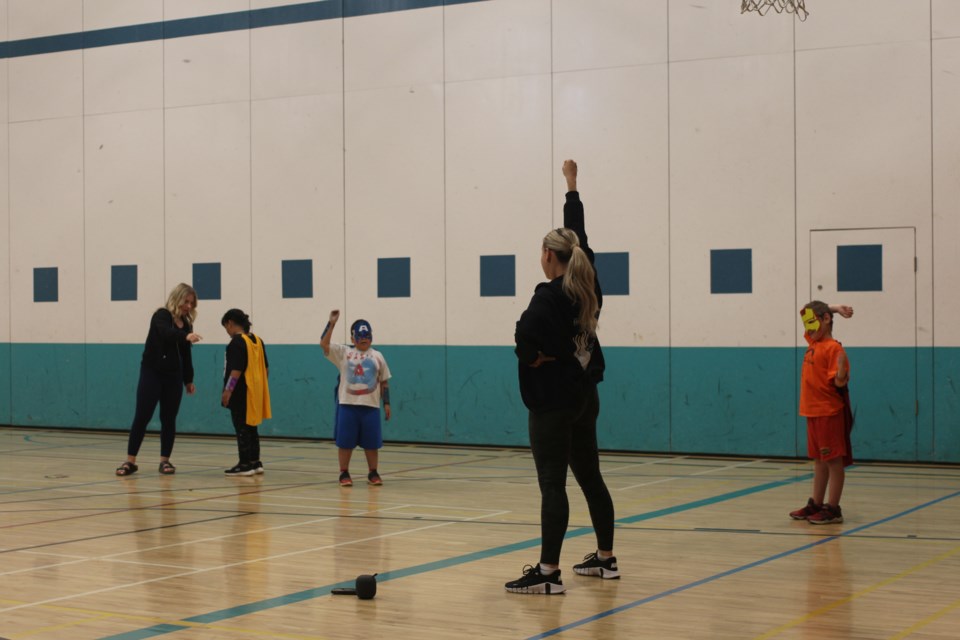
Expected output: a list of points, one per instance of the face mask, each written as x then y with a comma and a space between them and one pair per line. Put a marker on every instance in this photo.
362, 331
810, 322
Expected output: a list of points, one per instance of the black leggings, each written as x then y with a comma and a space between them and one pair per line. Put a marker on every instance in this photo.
558, 439
165, 389
248, 437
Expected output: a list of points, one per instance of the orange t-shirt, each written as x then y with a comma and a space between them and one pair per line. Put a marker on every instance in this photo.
818, 393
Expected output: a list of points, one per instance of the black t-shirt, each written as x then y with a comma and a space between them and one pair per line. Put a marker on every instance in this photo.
236, 360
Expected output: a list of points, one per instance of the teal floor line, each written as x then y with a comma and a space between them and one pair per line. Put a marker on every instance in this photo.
309, 594
735, 570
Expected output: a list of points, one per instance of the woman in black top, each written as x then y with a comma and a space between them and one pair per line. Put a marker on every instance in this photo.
165, 369
560, 364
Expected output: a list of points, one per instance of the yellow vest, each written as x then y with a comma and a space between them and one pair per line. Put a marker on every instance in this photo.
258, 390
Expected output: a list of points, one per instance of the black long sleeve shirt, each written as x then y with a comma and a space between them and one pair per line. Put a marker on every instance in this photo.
167, 349
550, 326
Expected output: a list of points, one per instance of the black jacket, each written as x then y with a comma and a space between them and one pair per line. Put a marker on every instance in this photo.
167, 349
550, 325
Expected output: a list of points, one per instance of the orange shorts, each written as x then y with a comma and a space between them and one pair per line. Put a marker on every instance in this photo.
826, 437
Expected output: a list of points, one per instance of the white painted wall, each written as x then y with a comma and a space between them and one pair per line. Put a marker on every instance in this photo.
437, 134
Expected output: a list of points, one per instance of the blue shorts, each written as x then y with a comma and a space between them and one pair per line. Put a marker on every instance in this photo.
356, 425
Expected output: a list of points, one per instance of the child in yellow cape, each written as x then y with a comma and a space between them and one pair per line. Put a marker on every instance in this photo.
245, 390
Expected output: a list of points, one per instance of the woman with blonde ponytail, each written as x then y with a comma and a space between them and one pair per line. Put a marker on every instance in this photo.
560, 364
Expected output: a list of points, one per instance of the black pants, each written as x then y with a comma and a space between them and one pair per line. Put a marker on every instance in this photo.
153, 388
248, 437
558, 439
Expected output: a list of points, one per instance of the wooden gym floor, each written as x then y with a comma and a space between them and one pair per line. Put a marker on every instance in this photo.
704, 544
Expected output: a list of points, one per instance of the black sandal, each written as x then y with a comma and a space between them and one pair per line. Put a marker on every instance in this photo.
127, 469
167, 469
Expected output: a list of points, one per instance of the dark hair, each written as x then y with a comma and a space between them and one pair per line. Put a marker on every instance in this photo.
237, 317
819, 308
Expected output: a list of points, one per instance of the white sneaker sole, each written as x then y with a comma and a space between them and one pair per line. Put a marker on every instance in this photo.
546, 588
605, 574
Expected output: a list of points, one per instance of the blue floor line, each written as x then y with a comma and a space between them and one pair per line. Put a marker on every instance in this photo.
730, 572
308, 594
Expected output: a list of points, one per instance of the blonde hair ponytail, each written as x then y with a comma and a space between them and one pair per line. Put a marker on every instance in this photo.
579, 278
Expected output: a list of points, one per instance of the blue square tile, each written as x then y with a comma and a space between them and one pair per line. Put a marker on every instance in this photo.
123, 282
731, 271
393, 277
860, 267
45, 284
206, 280
297, 278
613, 270
498, 276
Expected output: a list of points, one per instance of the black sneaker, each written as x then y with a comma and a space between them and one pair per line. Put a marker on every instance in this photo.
240, 469
535, 582
592, 565
345, 479
258, 467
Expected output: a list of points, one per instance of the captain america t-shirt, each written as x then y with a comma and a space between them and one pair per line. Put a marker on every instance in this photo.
361, 373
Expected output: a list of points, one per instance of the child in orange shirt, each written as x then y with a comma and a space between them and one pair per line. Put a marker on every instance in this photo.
824, 401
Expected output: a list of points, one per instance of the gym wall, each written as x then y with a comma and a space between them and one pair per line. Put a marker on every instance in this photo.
400, 160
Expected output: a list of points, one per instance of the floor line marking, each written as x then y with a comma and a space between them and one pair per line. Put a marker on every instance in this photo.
309, 594
853, 596
735, 570
698, 473
928, 620
222, 567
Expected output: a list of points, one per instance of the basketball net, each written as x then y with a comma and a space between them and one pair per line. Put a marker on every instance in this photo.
762, 6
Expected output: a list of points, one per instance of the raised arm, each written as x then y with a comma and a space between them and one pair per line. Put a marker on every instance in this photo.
325, 338
844, 310
570, 173
573, 207
573, 217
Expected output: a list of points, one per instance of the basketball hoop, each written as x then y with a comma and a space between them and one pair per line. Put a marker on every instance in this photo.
762, 6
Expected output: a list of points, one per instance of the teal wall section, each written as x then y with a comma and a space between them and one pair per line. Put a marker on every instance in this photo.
49, 385
733, 400
883, 392
484, 405
634, 407
946, 405
737, 401
112, 371
5, 383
